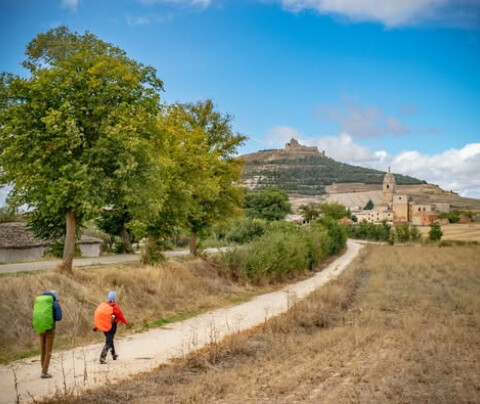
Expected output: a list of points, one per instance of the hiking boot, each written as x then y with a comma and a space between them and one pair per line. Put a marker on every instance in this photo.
103, 361
115, 357
46, 376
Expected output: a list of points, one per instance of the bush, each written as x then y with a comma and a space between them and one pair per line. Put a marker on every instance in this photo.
405, 233
246, 230
284, 249
337, 234
276, 254
435, 233
370, 231
56, 250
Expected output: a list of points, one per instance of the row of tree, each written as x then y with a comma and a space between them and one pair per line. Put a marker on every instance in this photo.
86, 135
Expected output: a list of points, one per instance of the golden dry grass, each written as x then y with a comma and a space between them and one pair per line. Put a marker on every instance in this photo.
172, 291
401, 325
457, 231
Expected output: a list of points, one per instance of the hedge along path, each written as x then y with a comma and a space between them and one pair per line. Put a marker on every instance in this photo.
78, 369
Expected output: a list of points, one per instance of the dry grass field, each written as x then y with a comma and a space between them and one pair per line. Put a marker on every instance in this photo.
401, 325
149, 297
456, 231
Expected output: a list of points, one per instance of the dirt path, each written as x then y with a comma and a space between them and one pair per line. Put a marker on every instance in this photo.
77, 369
83, 262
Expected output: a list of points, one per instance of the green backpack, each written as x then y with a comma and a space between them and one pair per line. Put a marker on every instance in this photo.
43, 313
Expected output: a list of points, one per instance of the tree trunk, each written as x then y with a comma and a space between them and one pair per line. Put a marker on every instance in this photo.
126, 240
193, 242
70, 238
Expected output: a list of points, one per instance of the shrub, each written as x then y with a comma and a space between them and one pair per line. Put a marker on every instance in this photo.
402, 233
284, 248
269, 204
277, 253
246, 230
370, 231
337, 234
435, 233
405, 233
56, 250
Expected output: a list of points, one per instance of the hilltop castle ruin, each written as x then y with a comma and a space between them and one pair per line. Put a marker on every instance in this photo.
294, 147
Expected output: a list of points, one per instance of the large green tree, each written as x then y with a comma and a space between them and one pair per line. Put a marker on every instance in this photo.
78, 129
204, 176
269, 204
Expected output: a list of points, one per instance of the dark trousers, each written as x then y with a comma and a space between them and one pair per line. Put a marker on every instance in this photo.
109, 335
46, 345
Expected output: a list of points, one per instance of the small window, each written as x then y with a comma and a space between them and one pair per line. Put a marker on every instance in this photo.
388, 186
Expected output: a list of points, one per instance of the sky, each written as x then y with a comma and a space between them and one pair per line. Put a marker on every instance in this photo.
375, 83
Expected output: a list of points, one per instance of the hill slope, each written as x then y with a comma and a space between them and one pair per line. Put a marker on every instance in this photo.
298, 173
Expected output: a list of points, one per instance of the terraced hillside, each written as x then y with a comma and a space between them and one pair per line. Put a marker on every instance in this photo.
302, 174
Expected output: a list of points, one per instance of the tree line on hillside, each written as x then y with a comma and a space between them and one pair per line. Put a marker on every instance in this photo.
85, 136
310, 174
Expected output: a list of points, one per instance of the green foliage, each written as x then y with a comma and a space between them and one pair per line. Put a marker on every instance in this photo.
405, 233
402, 233
56, 250
9, 214
333, 210
49, 225
415, 234
202, 174
246, 230
369, 205
454, 216
270, 204
278, 253
77, 132
336, 232
319, 243
370, 231
284, 248
309, 212
114, 222
309, 175
435, 233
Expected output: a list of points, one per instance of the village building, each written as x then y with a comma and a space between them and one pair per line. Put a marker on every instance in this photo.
401, 208
18, 243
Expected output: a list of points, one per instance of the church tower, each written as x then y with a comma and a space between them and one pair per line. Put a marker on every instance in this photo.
388, 189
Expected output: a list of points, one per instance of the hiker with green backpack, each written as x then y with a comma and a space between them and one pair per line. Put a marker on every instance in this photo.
46, 312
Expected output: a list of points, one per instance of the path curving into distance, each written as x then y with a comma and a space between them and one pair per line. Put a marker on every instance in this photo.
78, 369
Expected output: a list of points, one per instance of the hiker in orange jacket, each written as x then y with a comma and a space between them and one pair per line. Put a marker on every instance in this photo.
114, 316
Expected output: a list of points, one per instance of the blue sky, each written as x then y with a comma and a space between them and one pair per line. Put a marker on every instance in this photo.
375, 83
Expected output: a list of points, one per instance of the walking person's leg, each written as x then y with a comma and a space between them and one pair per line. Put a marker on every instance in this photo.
112, 345
49, 338
42, 348
106, 347
108, 343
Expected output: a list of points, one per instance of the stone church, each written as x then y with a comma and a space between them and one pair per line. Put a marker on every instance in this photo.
401, 208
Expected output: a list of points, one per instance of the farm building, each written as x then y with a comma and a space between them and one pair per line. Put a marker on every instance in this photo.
17, 243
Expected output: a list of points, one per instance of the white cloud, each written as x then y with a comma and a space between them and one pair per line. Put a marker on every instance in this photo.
363, 121
453, 169
71, 4
278, 136
133, 20
392, 13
